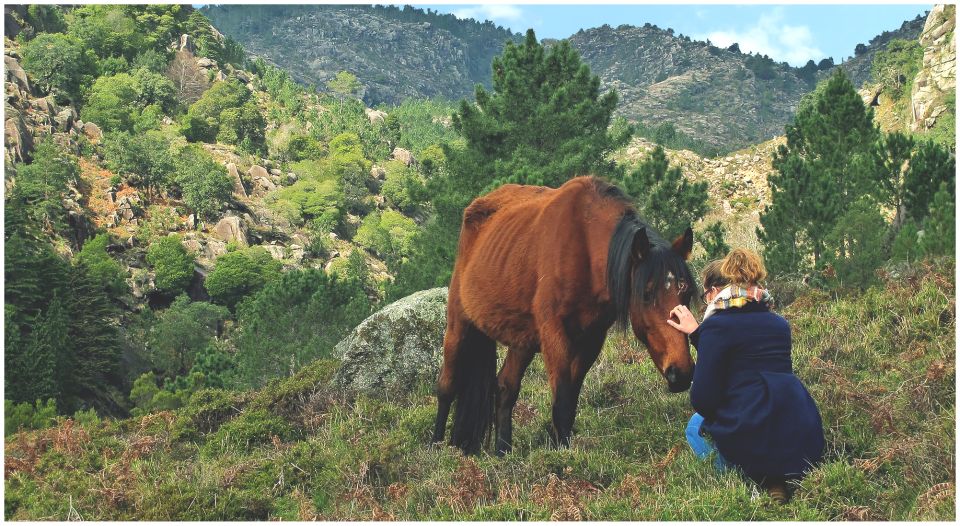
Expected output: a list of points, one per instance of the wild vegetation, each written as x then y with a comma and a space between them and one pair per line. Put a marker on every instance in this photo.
881, 365
208, 396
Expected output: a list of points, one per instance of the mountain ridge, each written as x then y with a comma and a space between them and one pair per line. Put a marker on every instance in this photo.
720, 98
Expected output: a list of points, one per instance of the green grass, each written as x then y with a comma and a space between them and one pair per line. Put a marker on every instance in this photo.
880, 364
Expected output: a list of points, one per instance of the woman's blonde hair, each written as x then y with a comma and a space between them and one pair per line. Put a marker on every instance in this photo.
742, 267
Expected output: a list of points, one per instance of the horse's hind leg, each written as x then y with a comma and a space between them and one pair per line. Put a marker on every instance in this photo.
508, 388
446, 388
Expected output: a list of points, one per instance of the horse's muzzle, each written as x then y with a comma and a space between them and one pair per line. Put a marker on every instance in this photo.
678, 381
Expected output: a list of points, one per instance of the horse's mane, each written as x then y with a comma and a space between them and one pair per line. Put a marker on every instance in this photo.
626, 282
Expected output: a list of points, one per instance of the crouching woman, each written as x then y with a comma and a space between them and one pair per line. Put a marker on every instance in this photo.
759, 416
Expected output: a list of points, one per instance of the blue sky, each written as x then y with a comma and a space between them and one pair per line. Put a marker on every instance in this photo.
791, 33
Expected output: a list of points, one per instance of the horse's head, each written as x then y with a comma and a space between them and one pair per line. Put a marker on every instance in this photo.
647, 278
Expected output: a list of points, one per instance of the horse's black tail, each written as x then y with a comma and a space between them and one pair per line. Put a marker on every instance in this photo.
476, 381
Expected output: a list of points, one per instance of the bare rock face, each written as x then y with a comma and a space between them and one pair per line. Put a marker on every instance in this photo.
18, 141
375, 116
238, 188
15, 73
256, 171
262, 186
277, 252
938, 75
187, 44
231, 228
65, 119
402, 155
396, 348
92, 131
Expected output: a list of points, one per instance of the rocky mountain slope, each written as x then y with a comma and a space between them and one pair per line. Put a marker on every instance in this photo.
857, 67
722, 99
396, 53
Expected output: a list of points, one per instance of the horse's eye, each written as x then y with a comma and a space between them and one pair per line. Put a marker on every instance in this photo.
682, 286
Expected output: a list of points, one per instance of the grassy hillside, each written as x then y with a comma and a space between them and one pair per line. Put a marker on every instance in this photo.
881, 366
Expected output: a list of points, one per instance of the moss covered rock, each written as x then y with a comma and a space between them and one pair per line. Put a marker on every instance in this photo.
397, 348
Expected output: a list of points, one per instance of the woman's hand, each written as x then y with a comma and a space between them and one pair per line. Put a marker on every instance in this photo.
687, 323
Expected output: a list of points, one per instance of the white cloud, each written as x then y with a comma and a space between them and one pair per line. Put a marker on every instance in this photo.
771, 36
502, 13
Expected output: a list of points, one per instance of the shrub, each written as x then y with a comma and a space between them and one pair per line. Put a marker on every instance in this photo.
145, 156
203, 120
205, 184
59, 64
181, 332
388, 234
246, 431
172, 264
350, 168
101, 266
159, 221
402, 187
240, 273
116, 102
243, 126
26, 416
302, 147
310, 200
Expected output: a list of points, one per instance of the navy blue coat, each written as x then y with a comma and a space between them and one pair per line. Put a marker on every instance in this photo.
760, 416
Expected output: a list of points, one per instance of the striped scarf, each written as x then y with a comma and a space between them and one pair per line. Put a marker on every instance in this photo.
737, 296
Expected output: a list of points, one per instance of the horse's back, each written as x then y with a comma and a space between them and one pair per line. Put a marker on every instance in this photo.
514, 240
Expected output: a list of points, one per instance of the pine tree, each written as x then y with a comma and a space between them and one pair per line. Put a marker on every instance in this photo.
664, 196
545, 121
825, 166
94, 365
892, 156
930, 166
939, 228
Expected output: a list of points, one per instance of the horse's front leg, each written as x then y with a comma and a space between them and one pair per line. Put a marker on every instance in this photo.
566, 371
508, 389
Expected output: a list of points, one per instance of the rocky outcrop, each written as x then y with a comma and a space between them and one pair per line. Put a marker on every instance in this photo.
375, 116
232, 228
15, 74
187, 44
938, 75
92, 131
238, 189
397, 348
402, 155
18, 142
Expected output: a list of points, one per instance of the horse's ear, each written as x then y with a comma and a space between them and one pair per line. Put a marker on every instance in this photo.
683, 245
641, 245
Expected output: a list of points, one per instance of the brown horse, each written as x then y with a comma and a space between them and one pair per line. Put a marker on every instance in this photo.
551, 270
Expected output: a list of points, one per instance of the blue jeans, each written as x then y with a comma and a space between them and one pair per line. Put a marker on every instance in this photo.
701, 446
